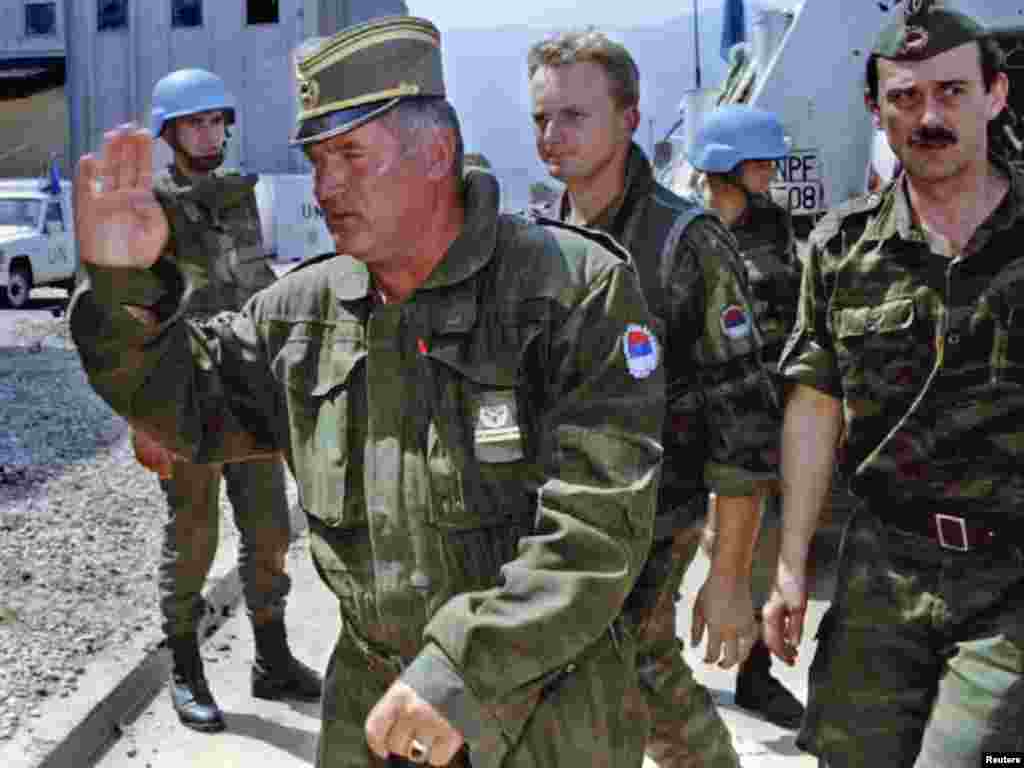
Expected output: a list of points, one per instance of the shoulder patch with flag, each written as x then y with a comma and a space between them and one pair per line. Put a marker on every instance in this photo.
735, 322
641, 349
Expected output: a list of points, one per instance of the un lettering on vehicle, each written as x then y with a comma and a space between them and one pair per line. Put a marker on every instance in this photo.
799, 182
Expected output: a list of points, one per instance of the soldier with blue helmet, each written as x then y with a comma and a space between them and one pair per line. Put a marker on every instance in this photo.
216, 242
735, 149
187, 92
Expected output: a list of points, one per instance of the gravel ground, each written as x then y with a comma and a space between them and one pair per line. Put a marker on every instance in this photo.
80, 526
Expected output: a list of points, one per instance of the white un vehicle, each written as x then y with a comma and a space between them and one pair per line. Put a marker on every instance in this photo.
37, 244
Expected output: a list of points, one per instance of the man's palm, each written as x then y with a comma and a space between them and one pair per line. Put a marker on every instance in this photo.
118, 221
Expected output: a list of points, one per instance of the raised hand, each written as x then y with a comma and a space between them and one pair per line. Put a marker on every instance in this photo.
118, 221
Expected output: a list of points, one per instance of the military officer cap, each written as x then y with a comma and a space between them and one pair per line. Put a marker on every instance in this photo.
926, 29
363, 71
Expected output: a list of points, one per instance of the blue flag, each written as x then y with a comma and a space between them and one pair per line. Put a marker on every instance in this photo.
734, 25
53, 181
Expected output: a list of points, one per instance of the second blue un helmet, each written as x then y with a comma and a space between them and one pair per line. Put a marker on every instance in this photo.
187, 92
734, 133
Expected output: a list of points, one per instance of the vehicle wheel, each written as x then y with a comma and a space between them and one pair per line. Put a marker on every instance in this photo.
19, 287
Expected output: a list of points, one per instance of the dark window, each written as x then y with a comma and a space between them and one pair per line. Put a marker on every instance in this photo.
186, 13
40, 19
112, 14
261, 12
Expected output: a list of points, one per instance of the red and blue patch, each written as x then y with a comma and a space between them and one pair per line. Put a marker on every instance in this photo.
735, 322
641, 349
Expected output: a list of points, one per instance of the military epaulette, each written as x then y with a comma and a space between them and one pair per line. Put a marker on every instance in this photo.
598, 236
832, 222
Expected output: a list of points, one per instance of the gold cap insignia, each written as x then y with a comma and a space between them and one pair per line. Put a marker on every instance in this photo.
309, 94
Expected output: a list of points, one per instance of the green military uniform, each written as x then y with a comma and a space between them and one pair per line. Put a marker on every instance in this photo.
920, 658
479, 464
923, 351
764, 238
721, 434
216, 239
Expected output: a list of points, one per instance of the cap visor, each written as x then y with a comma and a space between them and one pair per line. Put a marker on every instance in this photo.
335, 123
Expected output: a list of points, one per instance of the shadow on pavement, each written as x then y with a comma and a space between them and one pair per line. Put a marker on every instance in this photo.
295, 741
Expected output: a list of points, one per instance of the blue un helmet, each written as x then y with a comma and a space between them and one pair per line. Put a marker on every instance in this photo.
734, 133
186, 92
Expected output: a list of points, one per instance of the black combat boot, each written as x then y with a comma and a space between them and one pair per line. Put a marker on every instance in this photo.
190, 692
276, 674
758, 691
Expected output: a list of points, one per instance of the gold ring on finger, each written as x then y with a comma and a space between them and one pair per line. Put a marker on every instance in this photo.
419, 752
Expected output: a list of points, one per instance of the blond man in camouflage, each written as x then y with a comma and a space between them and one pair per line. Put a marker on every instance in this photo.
721, 428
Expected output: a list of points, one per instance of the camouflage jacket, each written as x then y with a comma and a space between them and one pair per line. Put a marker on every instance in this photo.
215, 238
764, 234
925, 351
722, 426
494, 437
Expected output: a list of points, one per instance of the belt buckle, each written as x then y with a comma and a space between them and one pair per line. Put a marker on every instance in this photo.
959, 524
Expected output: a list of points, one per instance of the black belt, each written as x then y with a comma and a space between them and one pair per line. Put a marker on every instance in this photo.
955, 533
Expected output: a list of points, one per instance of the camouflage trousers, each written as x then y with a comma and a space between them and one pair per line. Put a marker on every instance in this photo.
258, 498
920, 657
687, 730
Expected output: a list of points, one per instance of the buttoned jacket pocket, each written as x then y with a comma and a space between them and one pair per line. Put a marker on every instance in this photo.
882, 350
321, 369
480, 470
247, 266
476, 441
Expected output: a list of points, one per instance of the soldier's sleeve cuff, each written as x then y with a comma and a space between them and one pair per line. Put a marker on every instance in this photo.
802, 372
726, 480
437, 681
114, 287
159, 290
807, 362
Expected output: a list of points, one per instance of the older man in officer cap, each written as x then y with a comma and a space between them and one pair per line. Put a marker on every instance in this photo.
910, 326
470, 403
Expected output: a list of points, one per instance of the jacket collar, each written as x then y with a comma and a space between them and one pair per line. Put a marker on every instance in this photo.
637, 184
894, 217
475, 245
